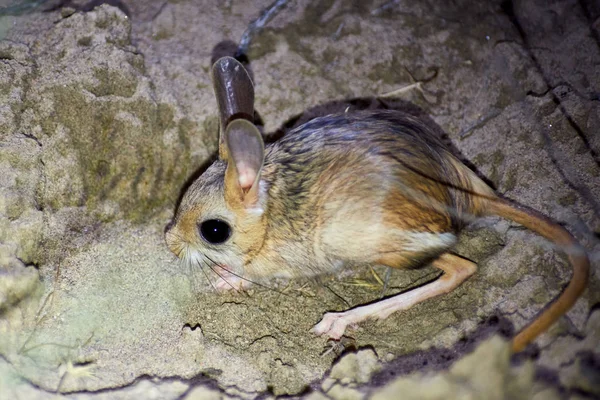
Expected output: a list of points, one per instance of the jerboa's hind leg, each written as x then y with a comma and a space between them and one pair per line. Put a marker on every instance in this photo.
456, 271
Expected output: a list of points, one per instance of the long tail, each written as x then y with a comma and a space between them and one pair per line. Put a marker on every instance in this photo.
561, 237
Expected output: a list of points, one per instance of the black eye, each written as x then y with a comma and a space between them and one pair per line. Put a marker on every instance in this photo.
215, 231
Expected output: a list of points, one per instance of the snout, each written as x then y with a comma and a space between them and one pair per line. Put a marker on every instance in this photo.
173, 239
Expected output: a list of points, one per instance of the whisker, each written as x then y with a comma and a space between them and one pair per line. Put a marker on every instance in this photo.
245, 279
185, 260
206, 275
181, 246
337, 295
188, 261
218, 274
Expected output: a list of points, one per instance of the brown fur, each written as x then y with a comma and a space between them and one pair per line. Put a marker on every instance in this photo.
365, 187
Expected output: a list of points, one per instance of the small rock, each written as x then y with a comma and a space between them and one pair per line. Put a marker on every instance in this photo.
484, 374
16, 280
316, 396
356, 367
341, 392
204, 393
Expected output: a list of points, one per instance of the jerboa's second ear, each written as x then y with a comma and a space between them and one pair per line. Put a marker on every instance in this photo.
246, 154
234, 91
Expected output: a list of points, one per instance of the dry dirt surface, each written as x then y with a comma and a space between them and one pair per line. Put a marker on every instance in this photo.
107, 112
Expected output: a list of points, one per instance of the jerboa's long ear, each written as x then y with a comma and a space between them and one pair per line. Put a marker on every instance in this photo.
246, 151
235, 95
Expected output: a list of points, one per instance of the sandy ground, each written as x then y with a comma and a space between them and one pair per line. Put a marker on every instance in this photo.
107, 112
